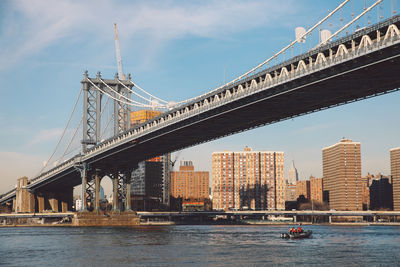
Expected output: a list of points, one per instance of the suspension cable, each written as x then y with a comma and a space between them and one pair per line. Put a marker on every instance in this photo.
351, 22
105, 129
72, 139
62, 135
281, 51
138, 87
142, 97
119, 94
119, 100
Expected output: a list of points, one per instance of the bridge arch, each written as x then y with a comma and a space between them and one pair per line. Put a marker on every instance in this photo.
284, 73
391, 32
301, 66
341, 51
253, 84
268, 79
321, 59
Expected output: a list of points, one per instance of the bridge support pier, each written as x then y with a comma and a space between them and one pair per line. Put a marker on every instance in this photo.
64, 206
24, 199
53, 203
40, 203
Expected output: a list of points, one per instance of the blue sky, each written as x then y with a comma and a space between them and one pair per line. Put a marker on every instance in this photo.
175, 50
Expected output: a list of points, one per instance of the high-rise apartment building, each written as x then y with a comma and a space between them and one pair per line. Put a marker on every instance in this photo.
150, 181
395, 172
342, 175
303, 189
381, 194
293, 176
223, 184
290, 194
316, 189
366, 181
189, 184
248, 179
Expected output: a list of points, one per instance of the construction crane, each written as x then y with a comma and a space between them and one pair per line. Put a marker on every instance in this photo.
174, 161
118, 54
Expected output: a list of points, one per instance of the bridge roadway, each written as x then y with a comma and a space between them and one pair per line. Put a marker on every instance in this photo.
355, 67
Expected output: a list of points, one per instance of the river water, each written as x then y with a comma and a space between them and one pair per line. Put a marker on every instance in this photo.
203, 245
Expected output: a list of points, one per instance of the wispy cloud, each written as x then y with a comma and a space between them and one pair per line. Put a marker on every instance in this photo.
45, 136
31, 28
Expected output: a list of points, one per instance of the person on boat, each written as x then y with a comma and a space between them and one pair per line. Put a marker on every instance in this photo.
299, 230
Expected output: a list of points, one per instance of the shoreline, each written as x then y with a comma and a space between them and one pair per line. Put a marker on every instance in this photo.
171, 223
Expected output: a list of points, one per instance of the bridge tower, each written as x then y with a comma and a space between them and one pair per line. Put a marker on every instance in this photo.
121, 178
122, 110
91, 111
94, 89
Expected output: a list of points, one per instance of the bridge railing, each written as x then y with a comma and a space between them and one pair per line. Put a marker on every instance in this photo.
7, 194
63, 166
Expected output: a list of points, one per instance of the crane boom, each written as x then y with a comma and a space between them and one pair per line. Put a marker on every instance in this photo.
118, 54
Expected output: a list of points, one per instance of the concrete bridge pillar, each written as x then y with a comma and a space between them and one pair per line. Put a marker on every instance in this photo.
14, 205
53, 201
5, 208
64, 206
24, 200
40, 203
66, 198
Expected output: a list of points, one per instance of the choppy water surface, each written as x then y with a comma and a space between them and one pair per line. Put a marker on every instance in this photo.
199, 246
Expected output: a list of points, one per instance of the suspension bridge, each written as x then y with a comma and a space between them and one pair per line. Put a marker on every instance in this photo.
359, 60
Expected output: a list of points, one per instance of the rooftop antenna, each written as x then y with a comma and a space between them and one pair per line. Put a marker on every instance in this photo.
118, 54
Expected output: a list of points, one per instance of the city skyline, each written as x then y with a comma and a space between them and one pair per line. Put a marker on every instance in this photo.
188, 60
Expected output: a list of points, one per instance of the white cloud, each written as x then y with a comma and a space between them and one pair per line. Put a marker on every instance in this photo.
33, 27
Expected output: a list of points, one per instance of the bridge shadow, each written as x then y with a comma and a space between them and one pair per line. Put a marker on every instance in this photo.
256, 197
